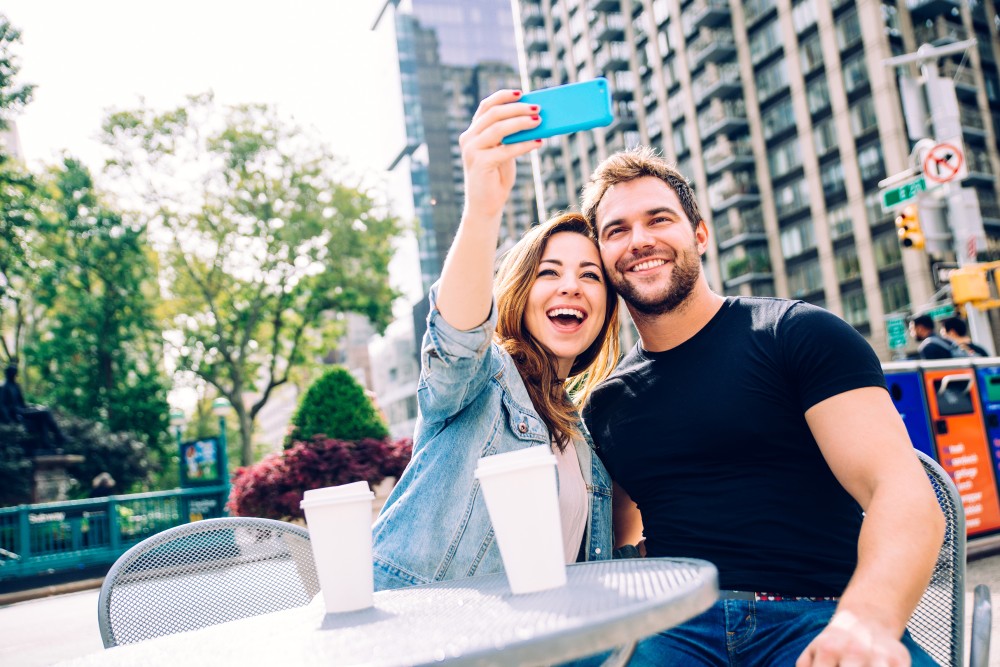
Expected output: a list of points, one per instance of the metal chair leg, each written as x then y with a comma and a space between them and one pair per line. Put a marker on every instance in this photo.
982, 619
620, 656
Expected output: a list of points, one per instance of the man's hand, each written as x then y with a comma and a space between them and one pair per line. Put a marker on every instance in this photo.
847, 642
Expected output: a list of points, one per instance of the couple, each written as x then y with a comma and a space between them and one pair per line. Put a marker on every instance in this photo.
751, 432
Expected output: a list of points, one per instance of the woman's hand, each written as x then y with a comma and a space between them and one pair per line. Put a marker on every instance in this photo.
488, 164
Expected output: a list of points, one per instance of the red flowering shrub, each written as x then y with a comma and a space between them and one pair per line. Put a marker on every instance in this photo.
273, 487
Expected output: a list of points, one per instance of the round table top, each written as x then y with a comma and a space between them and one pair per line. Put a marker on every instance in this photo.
475, 621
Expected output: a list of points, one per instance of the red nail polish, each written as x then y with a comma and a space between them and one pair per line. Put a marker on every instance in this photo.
538, 141
534, 118
517, 93
534, 107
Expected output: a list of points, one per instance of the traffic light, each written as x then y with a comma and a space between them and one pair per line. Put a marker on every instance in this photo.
908, 228
969, 285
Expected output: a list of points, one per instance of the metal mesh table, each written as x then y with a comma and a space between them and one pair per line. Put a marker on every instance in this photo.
475, 621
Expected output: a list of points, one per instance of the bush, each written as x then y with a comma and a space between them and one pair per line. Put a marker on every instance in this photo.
273, 487
336, 406
122, 455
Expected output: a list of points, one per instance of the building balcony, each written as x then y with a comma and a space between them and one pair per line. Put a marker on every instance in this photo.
705, 13
711, 46
723, 118
737, 195
972, 121
603, 5
535, 39
726, 155
609, 27
611, 56
964, 78
755, 266
718, 81
921, 10
531, 15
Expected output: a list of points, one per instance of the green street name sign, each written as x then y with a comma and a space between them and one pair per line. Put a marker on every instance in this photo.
900, 194
941, 311
895, 328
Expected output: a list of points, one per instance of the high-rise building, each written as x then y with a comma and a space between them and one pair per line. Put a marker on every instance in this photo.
452, 55
784, 117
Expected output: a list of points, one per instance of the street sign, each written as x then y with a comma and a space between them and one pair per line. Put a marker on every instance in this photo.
899, 195
945, 163
939, 312
895, 327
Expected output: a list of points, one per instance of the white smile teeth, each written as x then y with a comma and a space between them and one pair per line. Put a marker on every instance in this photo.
653, 263
572, 312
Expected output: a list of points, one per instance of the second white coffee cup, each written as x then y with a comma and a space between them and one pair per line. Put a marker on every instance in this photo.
340, 531
523, 502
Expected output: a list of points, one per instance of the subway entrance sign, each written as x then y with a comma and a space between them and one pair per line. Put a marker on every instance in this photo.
898, 195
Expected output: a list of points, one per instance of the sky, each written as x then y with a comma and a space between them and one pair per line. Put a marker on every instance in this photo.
316, 61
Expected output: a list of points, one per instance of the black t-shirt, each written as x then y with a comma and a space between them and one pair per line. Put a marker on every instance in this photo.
711, 442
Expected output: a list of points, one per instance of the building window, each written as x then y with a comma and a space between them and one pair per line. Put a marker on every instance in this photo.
838, 218
797, 238
791, 198
848, 29
771, 79
778, 118
895, 295
818, 95
887, 250
832, 176
764, 41
803, 14
680, 135
810, 53
873, 208
824, 137
863, 116
846, 261
784, 158
855, 72
855, 308
805, 278
870, 162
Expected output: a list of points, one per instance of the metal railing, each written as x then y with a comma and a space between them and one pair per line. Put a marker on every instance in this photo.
54, 537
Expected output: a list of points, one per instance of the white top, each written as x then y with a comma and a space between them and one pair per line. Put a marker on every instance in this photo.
573, 508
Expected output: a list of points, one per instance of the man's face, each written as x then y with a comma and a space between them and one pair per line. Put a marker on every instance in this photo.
918, 332
651, 253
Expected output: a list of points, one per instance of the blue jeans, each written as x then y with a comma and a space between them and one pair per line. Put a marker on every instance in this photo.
740, 633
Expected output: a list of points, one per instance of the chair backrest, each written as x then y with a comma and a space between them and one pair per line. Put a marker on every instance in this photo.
204, 573
937, 623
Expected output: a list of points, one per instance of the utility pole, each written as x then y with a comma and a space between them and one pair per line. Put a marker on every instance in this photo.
942, 160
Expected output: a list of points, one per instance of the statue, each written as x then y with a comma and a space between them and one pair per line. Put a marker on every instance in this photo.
36, 420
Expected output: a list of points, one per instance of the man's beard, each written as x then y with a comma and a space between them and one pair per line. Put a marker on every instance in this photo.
683, 278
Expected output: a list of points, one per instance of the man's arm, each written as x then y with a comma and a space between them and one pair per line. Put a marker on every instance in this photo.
866, 446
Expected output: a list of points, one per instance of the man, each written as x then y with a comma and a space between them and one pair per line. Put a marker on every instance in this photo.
753, 433
955, 330
13, 409
931, 346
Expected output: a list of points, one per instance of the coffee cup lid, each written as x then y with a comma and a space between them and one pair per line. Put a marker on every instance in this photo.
521, 458
337, 494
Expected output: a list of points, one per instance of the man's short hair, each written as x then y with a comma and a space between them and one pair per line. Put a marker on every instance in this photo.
629, 165
955, 325
924, 321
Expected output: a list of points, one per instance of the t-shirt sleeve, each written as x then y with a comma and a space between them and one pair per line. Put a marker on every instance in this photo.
824, 355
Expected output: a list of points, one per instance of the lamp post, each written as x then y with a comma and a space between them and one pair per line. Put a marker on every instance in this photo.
177, 420
220, 407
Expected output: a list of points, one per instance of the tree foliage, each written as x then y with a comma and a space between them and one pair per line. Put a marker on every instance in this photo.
335, 405
102, 352
266, 241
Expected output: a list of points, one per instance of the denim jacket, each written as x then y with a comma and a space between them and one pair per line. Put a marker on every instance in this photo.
473, 403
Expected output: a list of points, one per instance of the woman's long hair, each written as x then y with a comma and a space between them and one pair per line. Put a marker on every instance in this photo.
514, 280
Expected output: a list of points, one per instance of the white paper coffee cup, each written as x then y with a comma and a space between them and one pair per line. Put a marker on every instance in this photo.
340, 531
523, 502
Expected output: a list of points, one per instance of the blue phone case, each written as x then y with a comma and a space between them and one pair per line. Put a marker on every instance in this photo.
569, 108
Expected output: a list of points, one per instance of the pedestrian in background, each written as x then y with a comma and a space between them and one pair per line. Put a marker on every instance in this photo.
956, 330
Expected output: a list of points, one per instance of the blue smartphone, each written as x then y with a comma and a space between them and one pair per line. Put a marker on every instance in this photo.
570, 108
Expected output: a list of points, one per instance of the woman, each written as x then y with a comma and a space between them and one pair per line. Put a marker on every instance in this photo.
494, 373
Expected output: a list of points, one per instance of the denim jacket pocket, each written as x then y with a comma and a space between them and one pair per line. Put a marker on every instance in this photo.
526, 426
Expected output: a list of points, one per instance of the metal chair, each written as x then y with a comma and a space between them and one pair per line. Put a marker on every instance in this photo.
204, 573
937, 623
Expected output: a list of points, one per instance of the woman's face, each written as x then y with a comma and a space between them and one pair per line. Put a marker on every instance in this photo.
568, 300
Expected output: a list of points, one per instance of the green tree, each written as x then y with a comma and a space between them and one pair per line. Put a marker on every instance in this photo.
18, 208
266, 241
101, 355
336, 406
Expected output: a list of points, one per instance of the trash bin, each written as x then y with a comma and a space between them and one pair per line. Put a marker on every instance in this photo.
960, 439
906, 387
